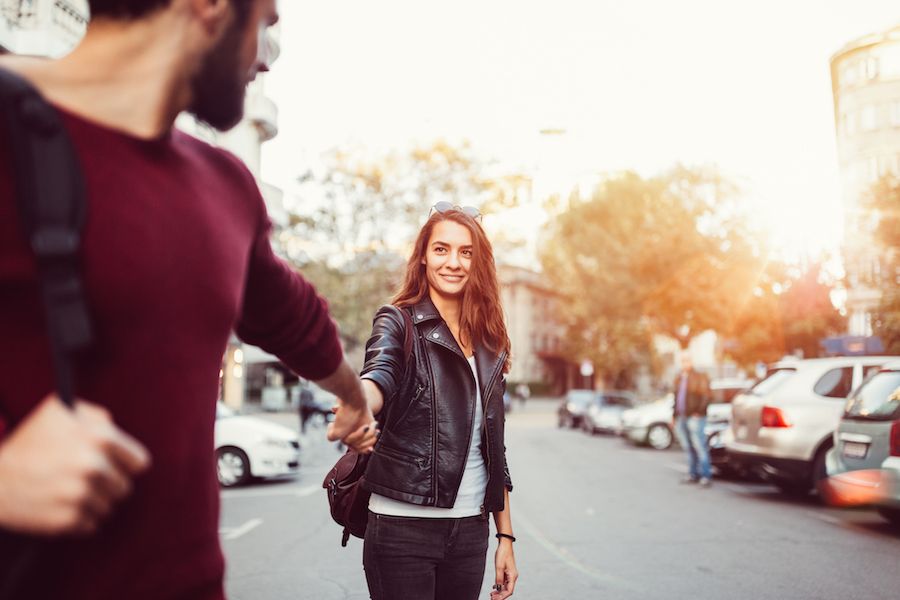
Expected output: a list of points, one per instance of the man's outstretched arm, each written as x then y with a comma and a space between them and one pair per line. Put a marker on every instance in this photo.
353, 423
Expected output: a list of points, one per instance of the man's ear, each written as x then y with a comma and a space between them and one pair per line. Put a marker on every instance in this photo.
213, 15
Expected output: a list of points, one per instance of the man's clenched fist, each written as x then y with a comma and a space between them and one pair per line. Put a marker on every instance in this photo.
62, 471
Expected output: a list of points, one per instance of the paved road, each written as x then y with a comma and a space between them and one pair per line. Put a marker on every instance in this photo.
595, 519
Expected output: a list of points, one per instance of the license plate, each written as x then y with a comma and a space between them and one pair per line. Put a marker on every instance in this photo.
855, 449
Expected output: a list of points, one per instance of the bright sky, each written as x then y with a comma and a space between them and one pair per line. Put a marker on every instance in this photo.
636, 84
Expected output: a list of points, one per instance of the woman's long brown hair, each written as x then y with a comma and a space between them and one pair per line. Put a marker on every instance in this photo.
481, 316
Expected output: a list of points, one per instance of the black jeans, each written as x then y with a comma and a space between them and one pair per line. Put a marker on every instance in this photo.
409, 558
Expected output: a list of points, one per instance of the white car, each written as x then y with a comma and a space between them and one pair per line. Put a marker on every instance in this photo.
650, 424
249, 447
782, 428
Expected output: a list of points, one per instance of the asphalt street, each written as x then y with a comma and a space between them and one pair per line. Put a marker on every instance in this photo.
595, 518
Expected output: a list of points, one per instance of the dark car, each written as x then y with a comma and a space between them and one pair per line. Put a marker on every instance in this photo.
574, 405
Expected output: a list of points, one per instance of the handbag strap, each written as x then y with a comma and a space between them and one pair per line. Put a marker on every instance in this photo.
408, 329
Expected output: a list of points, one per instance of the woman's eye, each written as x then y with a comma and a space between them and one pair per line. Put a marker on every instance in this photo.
439, 250
467, 253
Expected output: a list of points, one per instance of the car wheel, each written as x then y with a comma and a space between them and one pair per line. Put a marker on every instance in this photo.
232, 467
891, 514
819, 468
659, 437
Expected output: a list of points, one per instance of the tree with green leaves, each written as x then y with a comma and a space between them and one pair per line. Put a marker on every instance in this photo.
666, 255
790, 311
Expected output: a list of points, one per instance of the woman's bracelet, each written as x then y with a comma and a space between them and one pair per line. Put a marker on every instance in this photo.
505, 536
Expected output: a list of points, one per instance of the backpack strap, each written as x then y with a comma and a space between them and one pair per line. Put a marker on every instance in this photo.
50, 193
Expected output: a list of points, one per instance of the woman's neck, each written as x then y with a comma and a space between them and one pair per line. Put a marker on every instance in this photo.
448, 307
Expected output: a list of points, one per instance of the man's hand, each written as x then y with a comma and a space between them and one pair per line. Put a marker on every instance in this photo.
354, 426
62, 471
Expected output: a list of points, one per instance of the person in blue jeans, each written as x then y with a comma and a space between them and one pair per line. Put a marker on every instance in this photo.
692, 397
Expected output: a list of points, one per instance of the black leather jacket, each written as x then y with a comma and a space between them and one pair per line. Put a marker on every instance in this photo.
426, 422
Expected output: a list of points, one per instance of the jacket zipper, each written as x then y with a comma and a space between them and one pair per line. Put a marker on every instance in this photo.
434, 458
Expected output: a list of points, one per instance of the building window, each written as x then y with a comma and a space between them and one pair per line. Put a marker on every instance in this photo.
871, 67
850, 123
868, 118
890, 61
849, 74
872, 169
895, 113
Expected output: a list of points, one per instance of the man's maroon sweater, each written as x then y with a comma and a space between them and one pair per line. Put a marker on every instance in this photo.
176, 256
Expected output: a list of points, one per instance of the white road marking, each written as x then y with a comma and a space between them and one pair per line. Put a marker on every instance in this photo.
235, 533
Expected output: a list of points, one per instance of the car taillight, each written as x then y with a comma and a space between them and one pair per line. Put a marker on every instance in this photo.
774, 417
895, 438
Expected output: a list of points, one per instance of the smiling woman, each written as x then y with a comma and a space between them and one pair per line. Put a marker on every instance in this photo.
441, 458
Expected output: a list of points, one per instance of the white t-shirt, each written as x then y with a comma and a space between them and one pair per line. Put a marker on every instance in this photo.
470, 496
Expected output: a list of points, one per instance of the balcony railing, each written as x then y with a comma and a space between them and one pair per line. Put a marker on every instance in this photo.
263, 112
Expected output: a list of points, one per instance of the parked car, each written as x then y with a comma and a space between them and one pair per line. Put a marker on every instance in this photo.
604, 413
574, 405
650, 424
782, 428
864, 465
248, 447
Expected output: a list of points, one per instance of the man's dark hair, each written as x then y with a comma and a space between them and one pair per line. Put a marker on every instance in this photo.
135, 9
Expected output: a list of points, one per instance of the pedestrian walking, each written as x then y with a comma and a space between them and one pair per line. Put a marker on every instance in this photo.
692, 396
439, 468
524, 393
175, 254
306, 405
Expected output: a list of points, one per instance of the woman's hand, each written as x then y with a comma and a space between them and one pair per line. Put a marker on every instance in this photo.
356, 428
507, 574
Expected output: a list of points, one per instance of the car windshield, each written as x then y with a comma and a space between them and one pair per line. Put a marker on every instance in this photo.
617, 401
878, 399
579, 396
772, 381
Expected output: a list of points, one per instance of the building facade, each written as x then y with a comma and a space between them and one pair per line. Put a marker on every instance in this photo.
41, 27
535, 335
865, 79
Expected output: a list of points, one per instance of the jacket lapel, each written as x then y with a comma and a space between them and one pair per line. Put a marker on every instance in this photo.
435, 330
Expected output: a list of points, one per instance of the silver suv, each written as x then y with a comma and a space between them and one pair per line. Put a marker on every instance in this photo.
864, 465
782, 427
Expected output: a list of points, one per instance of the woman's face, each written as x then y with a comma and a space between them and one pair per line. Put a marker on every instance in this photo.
448, 258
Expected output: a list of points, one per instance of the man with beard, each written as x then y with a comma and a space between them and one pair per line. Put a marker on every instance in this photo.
121, 492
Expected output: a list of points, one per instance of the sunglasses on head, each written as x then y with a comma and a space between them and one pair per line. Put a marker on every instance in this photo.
444, 206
